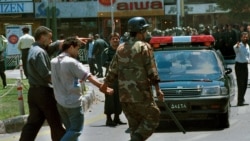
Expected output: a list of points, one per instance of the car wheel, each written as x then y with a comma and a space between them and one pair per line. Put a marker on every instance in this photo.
223, 120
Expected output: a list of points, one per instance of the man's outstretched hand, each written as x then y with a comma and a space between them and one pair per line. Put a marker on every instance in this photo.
84, 40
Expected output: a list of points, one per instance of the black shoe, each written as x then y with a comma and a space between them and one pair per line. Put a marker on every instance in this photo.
242, 104
110, 123
118, 121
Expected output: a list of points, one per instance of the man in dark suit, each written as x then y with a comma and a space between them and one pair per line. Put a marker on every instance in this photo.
98, 48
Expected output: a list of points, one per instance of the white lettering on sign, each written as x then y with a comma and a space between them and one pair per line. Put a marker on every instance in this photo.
11, 7
16, 7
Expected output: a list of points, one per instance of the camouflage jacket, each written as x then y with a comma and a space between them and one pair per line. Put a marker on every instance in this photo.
134, 67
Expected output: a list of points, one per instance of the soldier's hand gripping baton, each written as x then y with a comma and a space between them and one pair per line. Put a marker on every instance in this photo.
178, 124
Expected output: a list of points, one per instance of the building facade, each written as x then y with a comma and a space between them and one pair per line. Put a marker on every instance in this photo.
79, 17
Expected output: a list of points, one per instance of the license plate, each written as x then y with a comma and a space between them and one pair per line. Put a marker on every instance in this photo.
178, 106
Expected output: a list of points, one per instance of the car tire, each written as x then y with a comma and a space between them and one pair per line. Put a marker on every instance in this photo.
223, 120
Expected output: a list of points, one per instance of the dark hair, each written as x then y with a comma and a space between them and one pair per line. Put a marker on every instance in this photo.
25, 29
97, 36
70, 41
41, 30
114, 34
244, 33
61, 36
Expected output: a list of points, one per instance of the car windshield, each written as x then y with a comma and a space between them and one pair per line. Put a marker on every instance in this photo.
187, 65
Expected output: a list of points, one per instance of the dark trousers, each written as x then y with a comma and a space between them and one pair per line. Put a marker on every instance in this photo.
112, 103
3, 77
99, 65
2, 73
241, 71
24, 60
42, 105
92, 68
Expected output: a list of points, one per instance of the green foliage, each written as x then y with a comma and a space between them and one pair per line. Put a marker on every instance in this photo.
9, 103
239, 10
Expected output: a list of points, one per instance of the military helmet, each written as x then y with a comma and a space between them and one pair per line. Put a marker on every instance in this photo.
137, 24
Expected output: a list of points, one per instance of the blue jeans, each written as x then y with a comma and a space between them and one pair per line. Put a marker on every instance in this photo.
73, 120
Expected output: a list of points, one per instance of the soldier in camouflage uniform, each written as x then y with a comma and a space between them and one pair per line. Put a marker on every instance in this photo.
134, 67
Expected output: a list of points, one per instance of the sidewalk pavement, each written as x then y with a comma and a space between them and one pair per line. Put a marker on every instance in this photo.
15, 124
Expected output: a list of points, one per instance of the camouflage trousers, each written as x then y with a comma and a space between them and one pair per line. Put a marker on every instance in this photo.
143, 118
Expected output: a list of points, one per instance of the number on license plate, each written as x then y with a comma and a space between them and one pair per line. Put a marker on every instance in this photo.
178, 106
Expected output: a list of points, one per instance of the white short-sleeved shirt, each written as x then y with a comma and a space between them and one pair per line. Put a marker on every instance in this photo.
242, 53
25, 41
65, 74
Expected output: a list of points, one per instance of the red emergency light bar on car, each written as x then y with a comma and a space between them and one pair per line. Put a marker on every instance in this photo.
205, 40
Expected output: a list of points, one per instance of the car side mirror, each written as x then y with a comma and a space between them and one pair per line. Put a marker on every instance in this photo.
228, 70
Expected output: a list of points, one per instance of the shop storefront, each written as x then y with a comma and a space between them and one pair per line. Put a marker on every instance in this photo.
81, 18
122, 10
14, 14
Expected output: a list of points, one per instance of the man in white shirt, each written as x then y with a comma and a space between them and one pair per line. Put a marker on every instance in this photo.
24, 45
66, 71
242, 52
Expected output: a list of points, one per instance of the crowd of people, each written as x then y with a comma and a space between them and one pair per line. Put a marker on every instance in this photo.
226, 36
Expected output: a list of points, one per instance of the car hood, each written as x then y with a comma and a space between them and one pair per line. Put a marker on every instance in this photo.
190, 83
182, 76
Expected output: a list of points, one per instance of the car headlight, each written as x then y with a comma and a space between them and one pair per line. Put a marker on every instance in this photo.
224, 91
210, 90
